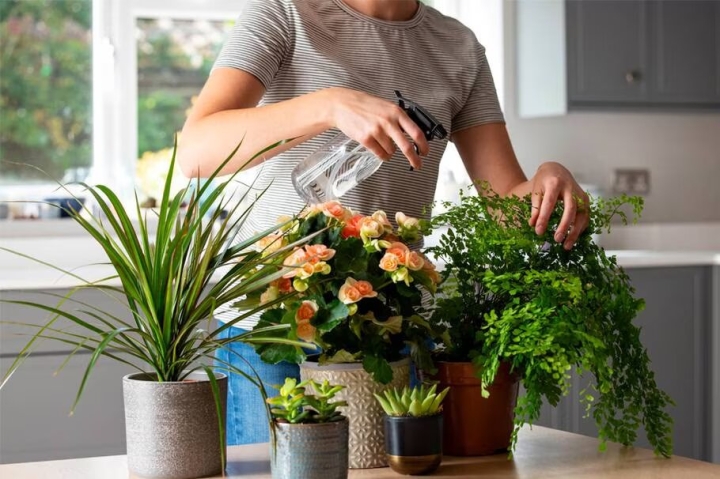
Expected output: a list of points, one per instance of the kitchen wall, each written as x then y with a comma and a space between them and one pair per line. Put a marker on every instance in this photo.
681, 150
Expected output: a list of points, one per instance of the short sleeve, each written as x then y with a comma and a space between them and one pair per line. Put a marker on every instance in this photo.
482, 105
259, 41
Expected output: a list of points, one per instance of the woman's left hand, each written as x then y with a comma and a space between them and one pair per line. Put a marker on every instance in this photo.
552, 183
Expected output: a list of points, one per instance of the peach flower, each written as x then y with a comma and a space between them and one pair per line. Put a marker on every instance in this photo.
296, 259
365, 289
415, 262
349, 294
389, 262
406, 222
270, 294
333, 209
270, 244
306, 312
319, 252
306, 332
352, 227
381, 217
369, 228
400, 250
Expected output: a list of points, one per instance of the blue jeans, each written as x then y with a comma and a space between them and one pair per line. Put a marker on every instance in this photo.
247, 421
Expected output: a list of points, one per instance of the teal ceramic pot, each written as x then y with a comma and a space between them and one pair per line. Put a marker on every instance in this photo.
310, 451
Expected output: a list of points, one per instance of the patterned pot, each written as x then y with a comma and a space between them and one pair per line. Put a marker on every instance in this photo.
310, 451
367, 435
172, 428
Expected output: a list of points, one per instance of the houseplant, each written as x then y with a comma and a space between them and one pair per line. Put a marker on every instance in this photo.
310, 433
520, 304
413, 428
171, 281
359, 291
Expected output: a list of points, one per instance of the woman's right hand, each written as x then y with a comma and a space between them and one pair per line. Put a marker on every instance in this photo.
379, 125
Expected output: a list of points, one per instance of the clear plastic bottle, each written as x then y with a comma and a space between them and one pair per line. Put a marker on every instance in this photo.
342, 163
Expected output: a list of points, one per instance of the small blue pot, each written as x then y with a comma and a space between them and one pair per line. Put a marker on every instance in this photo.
310, 451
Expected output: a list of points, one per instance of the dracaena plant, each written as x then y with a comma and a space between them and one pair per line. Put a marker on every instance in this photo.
171, 282
358, 289
512, 296
416, 402
295, 405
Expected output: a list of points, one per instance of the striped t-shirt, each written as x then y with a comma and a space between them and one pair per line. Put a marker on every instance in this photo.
296, 47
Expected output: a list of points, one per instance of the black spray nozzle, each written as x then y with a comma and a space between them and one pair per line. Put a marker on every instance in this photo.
432, 128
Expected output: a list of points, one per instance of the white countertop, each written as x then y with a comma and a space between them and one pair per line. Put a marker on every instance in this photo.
639, 246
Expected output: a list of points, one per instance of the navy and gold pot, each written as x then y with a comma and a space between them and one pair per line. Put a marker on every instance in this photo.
413, 445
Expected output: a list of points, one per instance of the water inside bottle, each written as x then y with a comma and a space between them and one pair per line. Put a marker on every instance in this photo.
341, 170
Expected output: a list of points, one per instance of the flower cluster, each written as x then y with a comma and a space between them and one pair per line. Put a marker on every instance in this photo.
354, 288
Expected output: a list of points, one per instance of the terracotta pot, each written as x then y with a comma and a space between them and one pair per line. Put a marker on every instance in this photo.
474, 425
367, 436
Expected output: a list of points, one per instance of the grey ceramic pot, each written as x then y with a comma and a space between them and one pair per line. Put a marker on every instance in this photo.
310, 451
172, 428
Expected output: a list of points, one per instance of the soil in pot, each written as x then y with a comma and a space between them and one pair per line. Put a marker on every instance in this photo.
413, 445
474, 425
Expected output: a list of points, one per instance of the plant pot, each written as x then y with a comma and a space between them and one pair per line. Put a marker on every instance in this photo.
310, 451
474, 425
172, 427
413, 445
367, 436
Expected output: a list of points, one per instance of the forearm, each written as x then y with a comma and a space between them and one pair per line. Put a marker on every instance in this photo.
205, 142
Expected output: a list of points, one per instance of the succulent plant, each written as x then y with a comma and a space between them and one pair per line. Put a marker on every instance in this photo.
293, 405
416, 402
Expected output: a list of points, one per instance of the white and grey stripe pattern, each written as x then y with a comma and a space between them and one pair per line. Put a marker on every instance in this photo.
296, 47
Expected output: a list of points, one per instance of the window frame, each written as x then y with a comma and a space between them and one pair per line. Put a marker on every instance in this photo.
115, 150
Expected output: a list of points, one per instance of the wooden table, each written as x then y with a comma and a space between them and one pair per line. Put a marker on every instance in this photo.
541, 453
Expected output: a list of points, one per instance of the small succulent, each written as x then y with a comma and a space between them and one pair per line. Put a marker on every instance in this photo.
293, 405
415, 402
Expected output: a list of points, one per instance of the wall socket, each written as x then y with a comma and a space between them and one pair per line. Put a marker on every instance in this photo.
632, 182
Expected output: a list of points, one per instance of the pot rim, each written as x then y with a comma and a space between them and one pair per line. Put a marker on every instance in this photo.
309, 425
132, 377
410, 418
347, 366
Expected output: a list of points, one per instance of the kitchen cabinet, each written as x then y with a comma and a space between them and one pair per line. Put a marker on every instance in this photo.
35, 424
678, 325
643, 53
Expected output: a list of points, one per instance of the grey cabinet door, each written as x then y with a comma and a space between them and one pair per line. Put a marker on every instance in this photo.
675, 329
685, 59
607, 51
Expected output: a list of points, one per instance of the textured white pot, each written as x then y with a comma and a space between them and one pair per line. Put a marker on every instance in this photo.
367, 435
172, 428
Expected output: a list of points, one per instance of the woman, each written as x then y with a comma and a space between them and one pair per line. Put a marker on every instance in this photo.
305, 69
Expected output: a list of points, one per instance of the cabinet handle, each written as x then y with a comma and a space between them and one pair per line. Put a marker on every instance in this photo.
633, 76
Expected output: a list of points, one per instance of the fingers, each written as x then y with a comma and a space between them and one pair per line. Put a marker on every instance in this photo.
372, 144
536, 198
414, 131
568, 217
405, 145
582, 220
382, 138
549, 198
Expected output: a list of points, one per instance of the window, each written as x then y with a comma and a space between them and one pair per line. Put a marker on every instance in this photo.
45, 91
174, 58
